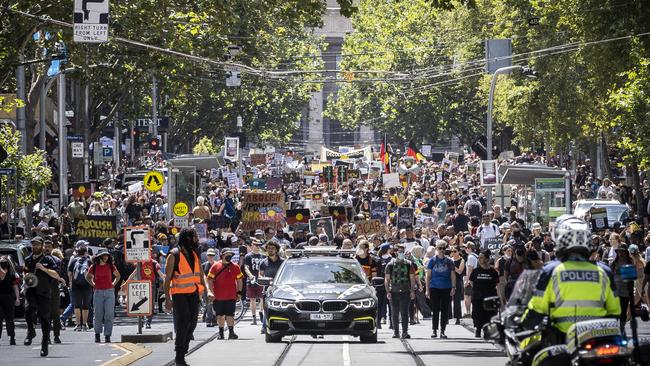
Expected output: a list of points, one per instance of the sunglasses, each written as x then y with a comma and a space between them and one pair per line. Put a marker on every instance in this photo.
454, 251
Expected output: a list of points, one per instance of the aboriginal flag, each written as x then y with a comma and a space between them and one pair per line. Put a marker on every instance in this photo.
414, 152
298, 216
83, 189
338, 214
385, 156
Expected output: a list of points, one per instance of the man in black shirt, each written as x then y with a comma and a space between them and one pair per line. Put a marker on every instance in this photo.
55, 303
252, 263
269, 268
461, 220
38, 297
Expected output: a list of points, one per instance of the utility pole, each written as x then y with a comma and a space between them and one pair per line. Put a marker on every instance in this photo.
41, 124
63, 146
240, 125
86, 123
116, 143
154, 112
20, 111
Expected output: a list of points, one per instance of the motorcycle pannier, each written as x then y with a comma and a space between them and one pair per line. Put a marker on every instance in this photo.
552, 356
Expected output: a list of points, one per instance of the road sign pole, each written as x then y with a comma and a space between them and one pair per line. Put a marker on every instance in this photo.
154, 111
138, 268
63, 146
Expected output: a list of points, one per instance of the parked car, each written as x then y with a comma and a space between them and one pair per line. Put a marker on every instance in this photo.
616, 211
17, 250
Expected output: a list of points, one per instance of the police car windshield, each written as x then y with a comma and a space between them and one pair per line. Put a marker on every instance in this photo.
320, 272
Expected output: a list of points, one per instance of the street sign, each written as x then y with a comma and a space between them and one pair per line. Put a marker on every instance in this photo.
7, 171
181, 209
98, 159
107, 153
139, 298
154, 181
91, 21
77, 149
137, 244
77, 138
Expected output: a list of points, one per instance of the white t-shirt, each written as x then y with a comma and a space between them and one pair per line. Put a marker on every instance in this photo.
487, 232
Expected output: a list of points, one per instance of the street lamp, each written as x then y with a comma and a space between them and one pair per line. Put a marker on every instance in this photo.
528, 72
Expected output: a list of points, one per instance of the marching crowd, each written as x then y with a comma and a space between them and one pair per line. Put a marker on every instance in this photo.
440, 269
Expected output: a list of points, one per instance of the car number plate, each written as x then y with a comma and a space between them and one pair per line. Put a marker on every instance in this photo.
321, 316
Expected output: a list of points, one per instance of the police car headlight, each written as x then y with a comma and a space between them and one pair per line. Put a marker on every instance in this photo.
363, 303
279, 304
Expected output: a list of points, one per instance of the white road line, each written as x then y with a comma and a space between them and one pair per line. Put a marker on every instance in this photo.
346, 351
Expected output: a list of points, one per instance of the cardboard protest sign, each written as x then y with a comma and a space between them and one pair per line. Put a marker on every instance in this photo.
258, 184
598, 219
273, 183
354, 174
258, 159
489, 174
291, 177
425, 220
447, 165
261, 210
405, 217
95, 229
338, 214
368, 227
322, 225
202, 231
379, 210
391, 180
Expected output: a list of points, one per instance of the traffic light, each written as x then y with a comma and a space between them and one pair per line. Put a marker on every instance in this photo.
154, 143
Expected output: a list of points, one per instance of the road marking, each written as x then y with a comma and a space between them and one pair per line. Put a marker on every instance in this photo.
132, 353
346, 351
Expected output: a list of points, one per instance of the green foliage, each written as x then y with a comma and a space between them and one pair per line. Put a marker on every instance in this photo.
33, 173
205, 146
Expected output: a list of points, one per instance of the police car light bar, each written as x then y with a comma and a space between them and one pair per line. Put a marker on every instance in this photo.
320, 251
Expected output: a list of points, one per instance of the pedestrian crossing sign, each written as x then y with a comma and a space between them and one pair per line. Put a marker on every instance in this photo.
154, 181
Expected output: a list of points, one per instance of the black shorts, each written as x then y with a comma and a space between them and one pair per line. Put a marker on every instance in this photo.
224, 307
82, 296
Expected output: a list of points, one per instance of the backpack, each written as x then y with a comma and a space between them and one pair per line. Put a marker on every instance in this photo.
474, 208
80, 270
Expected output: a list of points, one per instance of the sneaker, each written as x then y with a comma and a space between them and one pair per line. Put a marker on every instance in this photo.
443, 335
406, 336
77, 328
477, 333
107, 339
97, 338
44, 351
395, 335
457, 322
147, 325
412, 322
263, 331
383, 320
232, 335
84, 328
434, 334
254, 322
62, 324
57, 340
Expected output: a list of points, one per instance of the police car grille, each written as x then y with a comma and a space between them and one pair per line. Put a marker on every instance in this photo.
334, 305
307, 305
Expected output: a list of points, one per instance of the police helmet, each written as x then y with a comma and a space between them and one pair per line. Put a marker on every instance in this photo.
572, 234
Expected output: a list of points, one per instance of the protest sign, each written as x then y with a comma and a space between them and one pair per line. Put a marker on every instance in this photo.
95, 229
368, 227
391, 180
379, 210
405, 217
322, 225
261, 210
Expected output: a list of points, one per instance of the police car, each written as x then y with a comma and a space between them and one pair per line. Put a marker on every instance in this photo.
320, 291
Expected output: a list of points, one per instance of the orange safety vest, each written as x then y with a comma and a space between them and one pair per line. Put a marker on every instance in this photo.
186, 281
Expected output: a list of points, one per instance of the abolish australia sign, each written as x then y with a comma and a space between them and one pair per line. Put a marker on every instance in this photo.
95, 229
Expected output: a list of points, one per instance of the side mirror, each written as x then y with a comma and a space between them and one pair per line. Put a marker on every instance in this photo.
492, 303
264, 281
377, 281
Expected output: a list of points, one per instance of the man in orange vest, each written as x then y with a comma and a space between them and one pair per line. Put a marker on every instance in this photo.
184, 285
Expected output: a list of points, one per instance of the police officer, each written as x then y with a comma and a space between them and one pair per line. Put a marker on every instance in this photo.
55, 303
572, 280
38, 297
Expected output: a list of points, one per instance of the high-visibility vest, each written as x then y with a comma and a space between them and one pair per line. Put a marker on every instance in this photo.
186, 281
576, 291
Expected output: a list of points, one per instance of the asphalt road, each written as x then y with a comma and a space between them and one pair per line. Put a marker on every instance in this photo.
78, 348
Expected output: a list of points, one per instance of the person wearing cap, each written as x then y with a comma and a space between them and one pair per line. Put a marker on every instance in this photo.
536, 229
103, 276
208, 311
38, 297
252, 262
225, 279
270, 266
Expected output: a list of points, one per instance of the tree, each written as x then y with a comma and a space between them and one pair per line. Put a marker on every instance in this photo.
205, 146
32, 173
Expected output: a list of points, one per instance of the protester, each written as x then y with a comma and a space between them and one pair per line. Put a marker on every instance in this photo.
441, 281
484, 281
9, 296
80, 289
103, 276
400, 288
254, 292
225, 279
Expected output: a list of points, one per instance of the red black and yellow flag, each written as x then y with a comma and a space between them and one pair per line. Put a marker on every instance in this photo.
298, 216
414, 152
84, 189
338, 214
385, 156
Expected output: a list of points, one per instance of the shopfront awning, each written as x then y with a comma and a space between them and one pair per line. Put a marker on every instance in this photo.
525, 174
200, 162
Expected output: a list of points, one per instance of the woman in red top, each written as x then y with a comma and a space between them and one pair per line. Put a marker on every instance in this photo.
103, 276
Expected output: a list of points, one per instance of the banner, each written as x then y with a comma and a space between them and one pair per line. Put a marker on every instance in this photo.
405, 217
489, 174
379, 211
367, 227
328, 155
231, 150
262, 210
258, 159
95, 229
82, 189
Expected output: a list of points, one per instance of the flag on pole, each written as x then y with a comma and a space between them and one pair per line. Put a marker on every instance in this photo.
414, 152
385, 156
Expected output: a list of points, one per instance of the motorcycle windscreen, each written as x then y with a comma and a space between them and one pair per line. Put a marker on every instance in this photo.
524, 287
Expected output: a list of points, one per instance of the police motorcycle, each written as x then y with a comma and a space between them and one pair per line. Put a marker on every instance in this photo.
591, 342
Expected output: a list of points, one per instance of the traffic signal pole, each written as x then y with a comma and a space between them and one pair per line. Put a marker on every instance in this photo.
154, 112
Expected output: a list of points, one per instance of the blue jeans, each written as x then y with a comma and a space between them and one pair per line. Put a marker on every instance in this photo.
104, 307
67, 313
